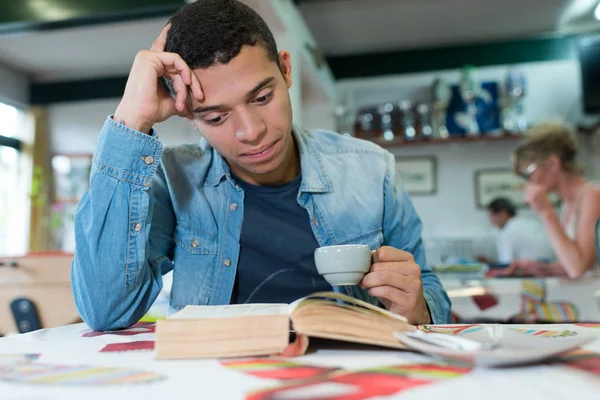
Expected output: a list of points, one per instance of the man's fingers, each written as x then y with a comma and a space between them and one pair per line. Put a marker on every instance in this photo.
390, 293
196, 87
408, 268
387, 253
161, 41
402, 282
181, 93
175, 68
171, 64
174, 64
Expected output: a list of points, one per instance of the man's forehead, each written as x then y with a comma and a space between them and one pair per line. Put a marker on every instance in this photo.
249, 57
227, 93
224, 83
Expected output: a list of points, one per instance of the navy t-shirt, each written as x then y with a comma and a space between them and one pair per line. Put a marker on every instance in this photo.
276, 262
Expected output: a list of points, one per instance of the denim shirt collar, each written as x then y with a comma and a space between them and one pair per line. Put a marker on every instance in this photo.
315, 177
218, 168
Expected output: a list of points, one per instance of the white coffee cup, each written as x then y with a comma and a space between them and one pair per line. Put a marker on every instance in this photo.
343, 265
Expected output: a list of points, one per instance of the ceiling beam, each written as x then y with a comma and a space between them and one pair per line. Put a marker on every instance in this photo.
28, 15
452, 57
79, 90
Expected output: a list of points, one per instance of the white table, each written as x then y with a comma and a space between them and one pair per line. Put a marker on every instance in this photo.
582, 296
209, 379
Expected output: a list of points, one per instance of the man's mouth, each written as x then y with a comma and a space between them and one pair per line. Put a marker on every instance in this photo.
260, 151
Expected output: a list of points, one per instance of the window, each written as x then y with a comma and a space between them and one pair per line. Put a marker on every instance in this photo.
14, 182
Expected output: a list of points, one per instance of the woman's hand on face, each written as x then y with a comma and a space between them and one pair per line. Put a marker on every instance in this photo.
537, 198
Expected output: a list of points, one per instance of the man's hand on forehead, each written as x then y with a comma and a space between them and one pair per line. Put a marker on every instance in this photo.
160, 85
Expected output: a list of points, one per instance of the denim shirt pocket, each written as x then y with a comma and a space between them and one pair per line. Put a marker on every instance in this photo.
194, 264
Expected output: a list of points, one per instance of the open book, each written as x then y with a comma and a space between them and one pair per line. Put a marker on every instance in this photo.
264, 329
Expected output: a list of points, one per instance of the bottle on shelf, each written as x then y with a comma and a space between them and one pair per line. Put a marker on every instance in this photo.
441, 95
469, 91
514, 120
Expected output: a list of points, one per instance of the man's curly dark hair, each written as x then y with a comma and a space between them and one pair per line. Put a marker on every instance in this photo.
212, 32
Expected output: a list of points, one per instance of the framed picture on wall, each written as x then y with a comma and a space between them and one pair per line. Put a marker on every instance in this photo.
417, 174
500, 182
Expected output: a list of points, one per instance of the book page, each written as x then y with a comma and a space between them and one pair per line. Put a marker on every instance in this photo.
230, 311
328, 296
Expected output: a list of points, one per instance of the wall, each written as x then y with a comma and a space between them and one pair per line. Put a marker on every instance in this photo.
553, 91
75, 127
451, 211
14, 87
319, 115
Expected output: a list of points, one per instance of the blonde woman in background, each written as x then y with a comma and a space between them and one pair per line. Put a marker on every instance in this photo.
547, 160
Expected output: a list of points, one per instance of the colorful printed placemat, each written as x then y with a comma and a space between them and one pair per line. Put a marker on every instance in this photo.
50, 374
273, 368
594, 326
544, 332
140, 345
581, 359
451, 329
345, 385
8, 360
137, 329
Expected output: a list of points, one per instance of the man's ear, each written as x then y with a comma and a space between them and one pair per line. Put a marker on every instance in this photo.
285, 66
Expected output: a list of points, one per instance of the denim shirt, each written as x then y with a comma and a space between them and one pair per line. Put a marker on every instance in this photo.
150, 210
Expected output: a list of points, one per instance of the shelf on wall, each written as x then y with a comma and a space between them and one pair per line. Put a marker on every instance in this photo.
400, 142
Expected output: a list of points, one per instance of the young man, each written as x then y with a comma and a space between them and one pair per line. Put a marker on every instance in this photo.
238, 216
519, 238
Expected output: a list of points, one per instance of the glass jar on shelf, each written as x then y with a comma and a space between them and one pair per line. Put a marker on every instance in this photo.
425, 130
387, 123
368, 122
407, 120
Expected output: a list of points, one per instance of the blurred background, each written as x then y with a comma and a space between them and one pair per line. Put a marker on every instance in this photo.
449, 86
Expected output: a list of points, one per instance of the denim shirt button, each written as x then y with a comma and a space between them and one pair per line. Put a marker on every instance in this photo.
148, 160
316, 221
195, 243
137, 227
227, 262
233, 207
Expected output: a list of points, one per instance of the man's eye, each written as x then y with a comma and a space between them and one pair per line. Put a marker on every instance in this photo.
264, 99
215, 121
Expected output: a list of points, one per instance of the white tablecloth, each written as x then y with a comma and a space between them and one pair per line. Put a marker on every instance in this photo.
209, 379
